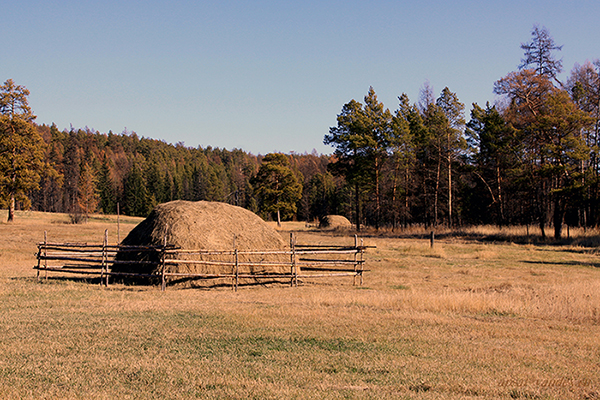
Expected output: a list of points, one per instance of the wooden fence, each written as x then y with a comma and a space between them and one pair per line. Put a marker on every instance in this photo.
300, 262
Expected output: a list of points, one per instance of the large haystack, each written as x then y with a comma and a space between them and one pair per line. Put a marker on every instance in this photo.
335, 222
199, 225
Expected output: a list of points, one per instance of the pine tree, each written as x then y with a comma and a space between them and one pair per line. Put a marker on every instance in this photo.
321, 192
454, 112
361, 140
402, 146
494, 142
277, 186
137, 200
72, 173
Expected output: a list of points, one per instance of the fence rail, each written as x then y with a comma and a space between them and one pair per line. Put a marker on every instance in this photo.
299, 262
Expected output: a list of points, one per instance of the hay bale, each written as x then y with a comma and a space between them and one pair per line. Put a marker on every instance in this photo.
335, 222
199, 225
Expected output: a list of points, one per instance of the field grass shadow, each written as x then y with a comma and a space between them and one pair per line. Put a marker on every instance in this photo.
564, 263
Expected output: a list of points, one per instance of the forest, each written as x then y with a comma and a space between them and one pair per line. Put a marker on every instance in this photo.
95, 172
530, 158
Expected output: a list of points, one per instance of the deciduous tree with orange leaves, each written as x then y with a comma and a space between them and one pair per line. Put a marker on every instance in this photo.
21, 147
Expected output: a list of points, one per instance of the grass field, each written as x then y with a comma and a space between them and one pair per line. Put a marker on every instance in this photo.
466, 319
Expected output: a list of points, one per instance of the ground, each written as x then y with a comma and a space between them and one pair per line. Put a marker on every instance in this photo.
464, 319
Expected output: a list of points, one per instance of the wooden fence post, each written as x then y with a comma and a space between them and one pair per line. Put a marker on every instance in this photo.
45, 255
294, 267
237, 267
102, 265
362, 252
355, 259
39, 262
431, 239
39, 256
104, 268
118, 223
162, 259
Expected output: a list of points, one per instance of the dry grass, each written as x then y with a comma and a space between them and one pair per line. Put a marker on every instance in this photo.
489, 233
461, 320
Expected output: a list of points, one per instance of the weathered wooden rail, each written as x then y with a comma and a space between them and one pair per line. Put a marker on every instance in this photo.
298, 263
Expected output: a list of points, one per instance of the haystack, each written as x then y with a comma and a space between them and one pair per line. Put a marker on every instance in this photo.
335, 222
198, 225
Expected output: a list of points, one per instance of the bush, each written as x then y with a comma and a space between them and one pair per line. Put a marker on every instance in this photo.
77, 218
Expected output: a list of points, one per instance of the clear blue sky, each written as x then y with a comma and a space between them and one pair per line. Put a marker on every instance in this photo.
265, 76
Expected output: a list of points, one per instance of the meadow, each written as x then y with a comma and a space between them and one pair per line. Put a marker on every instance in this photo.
466, 319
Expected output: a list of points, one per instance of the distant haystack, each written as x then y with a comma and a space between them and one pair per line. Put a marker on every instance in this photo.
198, 225
335, 222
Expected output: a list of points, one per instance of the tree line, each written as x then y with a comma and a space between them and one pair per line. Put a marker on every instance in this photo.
531, 158
95, 172
81, 171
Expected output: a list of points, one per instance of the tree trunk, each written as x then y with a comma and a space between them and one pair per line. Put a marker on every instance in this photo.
437, 190
377, 195
449, 190
543, 228
357, 205
558, 217
406, 213
498, 183
11, 208
394, 189
543, 212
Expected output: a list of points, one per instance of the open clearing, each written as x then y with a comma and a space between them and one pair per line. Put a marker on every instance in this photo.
461, 320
